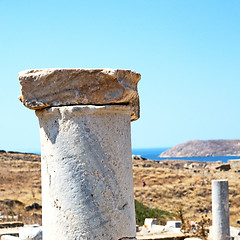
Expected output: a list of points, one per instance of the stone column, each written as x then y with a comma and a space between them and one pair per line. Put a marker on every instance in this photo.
84, 117
220, 210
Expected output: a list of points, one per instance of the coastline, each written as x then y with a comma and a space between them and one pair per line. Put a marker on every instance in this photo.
153, 154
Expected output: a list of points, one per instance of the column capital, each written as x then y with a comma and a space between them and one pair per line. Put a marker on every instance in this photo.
53, 87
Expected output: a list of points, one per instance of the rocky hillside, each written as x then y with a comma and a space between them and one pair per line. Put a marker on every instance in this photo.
202, 148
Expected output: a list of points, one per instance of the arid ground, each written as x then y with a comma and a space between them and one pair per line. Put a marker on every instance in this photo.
20, 186
170, 185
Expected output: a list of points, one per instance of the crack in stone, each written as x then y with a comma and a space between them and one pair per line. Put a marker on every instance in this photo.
122, 208
49, 175
126, 238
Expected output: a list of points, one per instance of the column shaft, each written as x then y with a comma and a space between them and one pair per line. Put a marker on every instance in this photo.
220, 210
87, 182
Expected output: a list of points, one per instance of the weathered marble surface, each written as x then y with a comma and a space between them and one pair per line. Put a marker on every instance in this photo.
9, 237
220, 210
30, 232
63, 87
87, 181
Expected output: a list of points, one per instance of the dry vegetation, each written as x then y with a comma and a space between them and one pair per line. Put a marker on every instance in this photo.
20, 186
169, 185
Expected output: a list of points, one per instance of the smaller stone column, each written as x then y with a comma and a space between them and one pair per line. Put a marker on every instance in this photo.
220, 210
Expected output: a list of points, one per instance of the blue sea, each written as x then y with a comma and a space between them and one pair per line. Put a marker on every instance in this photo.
153, 153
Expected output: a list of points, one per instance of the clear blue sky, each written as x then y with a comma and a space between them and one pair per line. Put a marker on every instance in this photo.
187, 51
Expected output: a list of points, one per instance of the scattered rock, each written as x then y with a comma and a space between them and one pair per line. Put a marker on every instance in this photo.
224, 167
33, 232
146, 165
11, 203
204, 210
36, 215
235, 164
138, 157
9, 237
11, 224
33, 206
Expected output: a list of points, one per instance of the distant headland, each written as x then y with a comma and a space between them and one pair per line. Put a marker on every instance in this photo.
204, 148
